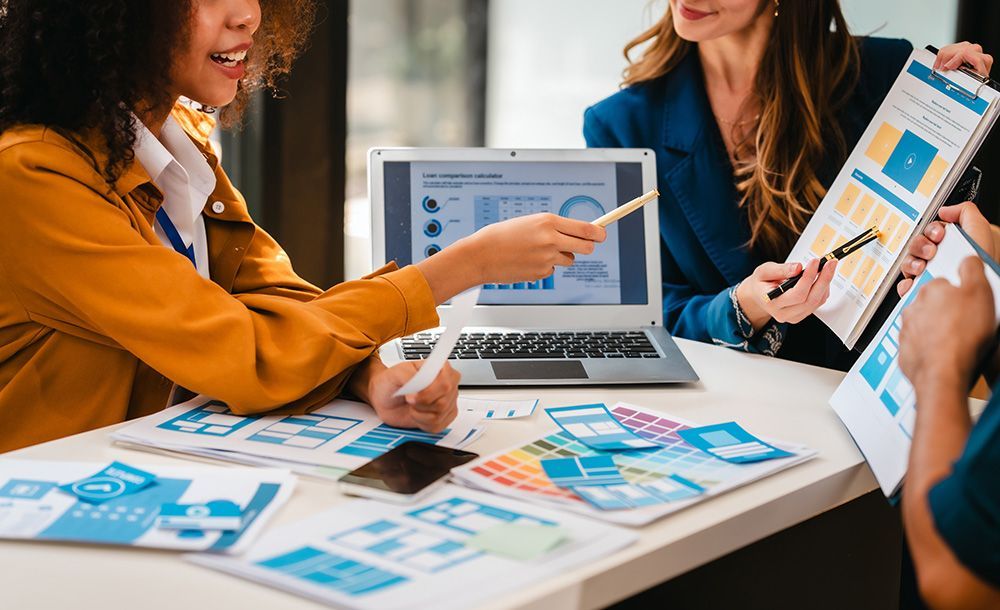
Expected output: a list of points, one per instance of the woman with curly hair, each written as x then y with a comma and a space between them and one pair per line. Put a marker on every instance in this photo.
128, 262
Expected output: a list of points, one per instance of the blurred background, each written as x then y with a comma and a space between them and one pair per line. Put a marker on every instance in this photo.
499, 73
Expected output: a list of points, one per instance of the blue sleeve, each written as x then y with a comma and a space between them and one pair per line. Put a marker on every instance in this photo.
966, 505
711, 318
597, 133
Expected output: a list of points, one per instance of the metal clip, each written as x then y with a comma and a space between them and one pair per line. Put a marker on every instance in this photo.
950, 86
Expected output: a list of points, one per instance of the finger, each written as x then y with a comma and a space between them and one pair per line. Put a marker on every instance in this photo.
821, 288
800, 291
441, 387
564, 259
904, 286
568, 243
913, 265
921, 247
988, 60
435, 422
972, 273
934, 232
580, 228
777, 272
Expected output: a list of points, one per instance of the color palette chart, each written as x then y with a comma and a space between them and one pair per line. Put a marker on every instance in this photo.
518, 472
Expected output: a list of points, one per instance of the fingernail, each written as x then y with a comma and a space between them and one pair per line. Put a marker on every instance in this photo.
927, 251
935, 232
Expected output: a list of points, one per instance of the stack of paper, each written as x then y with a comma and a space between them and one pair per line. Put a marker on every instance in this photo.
120, 504
341, 435
457, 549
663, 471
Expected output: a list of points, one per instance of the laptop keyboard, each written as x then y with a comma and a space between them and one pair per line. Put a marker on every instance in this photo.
536, 345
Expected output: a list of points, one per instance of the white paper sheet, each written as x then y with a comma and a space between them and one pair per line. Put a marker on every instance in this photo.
498, 408
903, 167
458, 318
371, 555
342, 434
33, 508
876, 401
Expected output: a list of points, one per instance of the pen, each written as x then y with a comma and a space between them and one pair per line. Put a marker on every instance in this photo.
838, 253
626, 208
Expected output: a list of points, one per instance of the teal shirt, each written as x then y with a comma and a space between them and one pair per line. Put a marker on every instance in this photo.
966, 505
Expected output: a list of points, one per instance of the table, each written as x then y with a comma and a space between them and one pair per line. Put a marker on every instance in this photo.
768, 396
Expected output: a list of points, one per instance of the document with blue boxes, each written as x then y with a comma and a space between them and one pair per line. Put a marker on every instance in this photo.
875, 401
121, 504
906, 164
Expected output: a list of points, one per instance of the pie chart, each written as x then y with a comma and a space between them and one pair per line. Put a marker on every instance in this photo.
582, 207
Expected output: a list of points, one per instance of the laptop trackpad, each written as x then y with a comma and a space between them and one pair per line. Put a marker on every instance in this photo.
534, 369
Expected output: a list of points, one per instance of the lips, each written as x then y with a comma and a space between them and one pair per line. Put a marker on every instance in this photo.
692, 14
232, 62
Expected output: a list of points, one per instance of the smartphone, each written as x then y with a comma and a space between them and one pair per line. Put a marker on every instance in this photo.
405, 473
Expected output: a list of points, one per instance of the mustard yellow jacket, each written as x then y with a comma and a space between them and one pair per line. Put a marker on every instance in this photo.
98, 320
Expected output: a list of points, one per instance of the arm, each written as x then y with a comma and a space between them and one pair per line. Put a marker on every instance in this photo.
944, 333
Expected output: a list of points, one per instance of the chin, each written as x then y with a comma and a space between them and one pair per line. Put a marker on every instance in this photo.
694, 32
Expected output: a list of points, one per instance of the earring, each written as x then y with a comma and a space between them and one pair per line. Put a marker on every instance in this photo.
777, 5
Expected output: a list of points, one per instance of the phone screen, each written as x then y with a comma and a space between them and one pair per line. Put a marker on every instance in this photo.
408, 468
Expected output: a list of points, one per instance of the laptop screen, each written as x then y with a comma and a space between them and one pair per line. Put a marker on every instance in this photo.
431, 204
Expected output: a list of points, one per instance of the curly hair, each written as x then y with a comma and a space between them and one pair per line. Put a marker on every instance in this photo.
80, 66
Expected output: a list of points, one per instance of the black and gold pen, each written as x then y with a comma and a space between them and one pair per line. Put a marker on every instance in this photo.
838, 253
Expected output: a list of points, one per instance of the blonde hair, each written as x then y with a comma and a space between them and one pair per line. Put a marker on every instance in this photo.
806, 74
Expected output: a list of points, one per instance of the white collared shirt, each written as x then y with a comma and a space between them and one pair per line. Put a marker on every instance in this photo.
182, 173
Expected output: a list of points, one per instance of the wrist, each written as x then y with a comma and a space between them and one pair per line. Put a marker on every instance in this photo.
453, 270
931, 385
751, 306
361, 383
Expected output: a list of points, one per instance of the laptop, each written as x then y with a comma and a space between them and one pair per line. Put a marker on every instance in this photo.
596, 322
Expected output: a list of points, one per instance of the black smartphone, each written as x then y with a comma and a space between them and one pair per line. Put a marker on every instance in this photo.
405, 473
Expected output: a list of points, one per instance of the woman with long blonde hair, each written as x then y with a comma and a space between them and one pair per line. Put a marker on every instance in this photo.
751, 107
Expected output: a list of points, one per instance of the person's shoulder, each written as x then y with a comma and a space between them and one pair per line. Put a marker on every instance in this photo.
40, 148
883, 55
639, 103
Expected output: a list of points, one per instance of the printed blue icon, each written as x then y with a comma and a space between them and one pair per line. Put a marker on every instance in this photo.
113, 481
470, 517
214, 515
595, 426
26, 489
377, 441
909, 161
304, 431
211, 419
417, 549
883, 356
582, 471
331, 571
430, 204
670, 488
432, 228
730, 442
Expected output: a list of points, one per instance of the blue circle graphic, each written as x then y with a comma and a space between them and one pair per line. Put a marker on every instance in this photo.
430, 204
582, 207
431, 250
432, 228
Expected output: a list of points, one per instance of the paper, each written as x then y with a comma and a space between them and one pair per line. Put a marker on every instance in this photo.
371, 555
458, 318
905, 164
342, 434
876, 401
729, 441
517, 472
670, 488
113, 481
518, 541
32, 508
594, 426
497, 408
582, 471
214, 515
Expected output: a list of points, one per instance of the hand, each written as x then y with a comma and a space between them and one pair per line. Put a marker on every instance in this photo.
430, 409
530, 247
924, 247
811, 291
953, 56
947, 328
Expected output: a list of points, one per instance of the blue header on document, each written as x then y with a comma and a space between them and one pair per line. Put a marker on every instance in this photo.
960, 94
885, 193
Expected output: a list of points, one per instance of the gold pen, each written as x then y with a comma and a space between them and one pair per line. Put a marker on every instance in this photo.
838, 253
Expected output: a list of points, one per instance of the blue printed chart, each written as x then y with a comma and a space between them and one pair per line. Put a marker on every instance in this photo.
875, 401
371, 555
661, 479
342, 434
36, 504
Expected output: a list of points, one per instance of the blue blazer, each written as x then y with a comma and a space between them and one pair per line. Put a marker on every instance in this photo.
703, 231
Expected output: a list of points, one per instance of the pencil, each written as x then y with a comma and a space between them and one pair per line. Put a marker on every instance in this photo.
626, 209
838, 253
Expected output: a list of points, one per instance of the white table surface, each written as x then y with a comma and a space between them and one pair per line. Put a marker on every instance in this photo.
770, 397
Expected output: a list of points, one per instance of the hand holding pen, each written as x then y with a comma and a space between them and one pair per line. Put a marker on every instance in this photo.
838, 253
